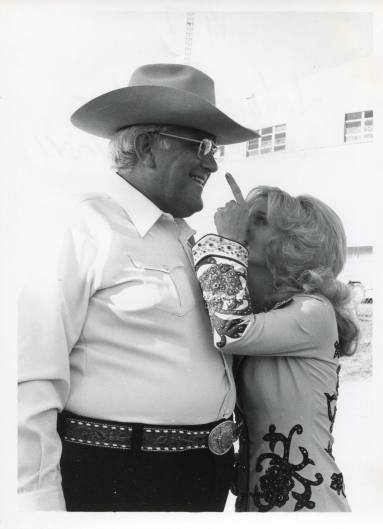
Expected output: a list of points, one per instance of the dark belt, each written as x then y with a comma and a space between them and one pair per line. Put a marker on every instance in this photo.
217, 437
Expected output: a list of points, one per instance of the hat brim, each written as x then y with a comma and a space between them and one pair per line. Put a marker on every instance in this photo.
157, 105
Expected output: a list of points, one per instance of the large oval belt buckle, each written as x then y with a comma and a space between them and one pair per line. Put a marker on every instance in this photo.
221, 438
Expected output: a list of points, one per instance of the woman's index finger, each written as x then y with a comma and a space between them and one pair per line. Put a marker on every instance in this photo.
235, 189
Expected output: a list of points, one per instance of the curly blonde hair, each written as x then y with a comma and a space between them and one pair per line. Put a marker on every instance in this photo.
307, 253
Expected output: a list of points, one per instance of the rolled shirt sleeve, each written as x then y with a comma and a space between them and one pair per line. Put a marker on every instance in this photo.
52, 308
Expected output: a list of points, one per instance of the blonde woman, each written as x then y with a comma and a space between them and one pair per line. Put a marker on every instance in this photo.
269, 279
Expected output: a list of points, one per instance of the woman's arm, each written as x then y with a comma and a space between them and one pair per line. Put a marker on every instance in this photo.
303, 326
221, 268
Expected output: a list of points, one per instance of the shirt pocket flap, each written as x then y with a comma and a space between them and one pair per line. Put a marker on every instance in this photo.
171, 278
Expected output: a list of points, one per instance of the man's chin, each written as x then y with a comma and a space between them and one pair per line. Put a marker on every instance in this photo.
190, 209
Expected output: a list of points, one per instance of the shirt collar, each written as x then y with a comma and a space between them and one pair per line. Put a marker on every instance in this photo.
142, 211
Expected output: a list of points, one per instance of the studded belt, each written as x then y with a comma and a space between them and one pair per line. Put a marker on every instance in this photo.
217, 437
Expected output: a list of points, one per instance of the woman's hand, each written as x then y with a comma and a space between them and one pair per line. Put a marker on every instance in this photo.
231, 221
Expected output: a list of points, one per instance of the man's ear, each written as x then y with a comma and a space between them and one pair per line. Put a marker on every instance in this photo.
143, 147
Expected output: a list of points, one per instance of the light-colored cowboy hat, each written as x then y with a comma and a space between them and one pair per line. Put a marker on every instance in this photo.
161, 94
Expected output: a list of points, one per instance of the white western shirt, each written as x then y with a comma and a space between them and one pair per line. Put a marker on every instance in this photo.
112, 326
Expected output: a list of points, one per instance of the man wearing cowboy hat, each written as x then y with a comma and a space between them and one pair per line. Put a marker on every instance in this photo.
124, 403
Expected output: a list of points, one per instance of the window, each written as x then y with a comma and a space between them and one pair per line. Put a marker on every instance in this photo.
359, 126
270, 139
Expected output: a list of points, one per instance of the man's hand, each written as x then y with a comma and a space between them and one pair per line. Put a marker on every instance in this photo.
231, 221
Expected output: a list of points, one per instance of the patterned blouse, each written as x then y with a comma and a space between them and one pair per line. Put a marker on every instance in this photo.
287, 386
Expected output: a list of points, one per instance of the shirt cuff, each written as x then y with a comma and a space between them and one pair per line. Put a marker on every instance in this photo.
216, 245
49, 499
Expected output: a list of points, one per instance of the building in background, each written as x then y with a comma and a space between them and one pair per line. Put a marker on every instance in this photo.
317, 137
314, 130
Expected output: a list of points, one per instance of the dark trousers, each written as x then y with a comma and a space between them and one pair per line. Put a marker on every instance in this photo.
107, 479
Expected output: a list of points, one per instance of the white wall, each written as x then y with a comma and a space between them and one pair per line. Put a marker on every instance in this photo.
316, 160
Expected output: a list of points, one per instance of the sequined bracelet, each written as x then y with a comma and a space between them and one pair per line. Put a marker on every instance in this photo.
212, 244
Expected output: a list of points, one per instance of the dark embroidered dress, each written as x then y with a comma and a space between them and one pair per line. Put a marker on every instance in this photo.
287, 386
281, 477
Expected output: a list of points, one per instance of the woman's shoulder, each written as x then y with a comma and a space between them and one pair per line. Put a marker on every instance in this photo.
305, 302
314, 301
316, 312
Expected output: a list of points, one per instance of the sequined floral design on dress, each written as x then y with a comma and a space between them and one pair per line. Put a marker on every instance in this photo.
223, 287
276, 485
338, 350
221, 268
329, 450
337, 483
332, 401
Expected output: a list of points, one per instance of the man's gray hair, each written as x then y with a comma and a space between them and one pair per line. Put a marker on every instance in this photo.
122, 145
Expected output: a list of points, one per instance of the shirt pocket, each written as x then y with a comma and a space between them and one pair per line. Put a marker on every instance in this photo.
152, 283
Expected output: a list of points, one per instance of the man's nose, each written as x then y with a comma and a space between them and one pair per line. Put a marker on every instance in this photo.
209, 163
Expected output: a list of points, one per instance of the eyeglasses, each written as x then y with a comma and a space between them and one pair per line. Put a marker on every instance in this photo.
206, 147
